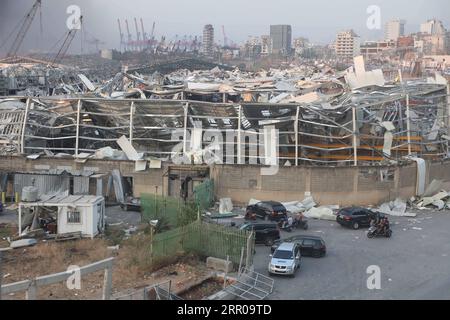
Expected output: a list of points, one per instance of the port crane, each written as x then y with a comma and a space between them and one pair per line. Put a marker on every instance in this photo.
66, 44
24, 29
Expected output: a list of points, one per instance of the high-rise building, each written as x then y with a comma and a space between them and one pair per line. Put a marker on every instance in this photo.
433, 38
433, 27
281, 36
252, 48
347, 44
394, 29
266, 45
300, 44
208, 40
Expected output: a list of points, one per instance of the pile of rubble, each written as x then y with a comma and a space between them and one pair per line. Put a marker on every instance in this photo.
433, 198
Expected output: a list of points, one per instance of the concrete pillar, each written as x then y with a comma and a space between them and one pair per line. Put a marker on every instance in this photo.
107, 282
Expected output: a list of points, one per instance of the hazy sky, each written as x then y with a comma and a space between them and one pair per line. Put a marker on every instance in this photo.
319, 20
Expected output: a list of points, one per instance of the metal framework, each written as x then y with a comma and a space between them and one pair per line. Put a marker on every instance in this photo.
365, 128
251, 285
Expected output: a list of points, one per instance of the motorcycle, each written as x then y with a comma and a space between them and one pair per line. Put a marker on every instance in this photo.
375, 232
303, 223
284, 225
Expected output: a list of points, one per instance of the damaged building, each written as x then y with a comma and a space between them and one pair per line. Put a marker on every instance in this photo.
168, 131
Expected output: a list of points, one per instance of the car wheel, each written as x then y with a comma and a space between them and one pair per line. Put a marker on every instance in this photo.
355, 225
269, 242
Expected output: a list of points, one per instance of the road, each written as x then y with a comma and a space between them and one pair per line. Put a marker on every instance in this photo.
414, 263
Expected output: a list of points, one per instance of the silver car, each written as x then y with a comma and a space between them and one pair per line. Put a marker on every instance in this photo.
286, 259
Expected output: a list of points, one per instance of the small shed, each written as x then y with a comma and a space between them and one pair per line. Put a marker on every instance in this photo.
85, 214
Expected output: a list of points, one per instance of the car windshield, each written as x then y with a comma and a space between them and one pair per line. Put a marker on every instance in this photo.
283, 254
244, 227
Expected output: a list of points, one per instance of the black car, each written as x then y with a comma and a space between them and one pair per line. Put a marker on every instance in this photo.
310, 246
355, 217
266, 210
265, 232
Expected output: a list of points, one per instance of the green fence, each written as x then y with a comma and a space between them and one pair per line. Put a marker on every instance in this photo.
204, 194
204, 239
174, 210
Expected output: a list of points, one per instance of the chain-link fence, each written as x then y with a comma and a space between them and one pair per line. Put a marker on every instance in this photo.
174, 211
171, 210
204, 239
204, 194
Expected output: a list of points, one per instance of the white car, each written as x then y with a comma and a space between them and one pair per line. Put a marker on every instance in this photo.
286, 259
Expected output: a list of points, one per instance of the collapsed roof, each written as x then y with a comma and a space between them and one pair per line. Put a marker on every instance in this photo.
322, 117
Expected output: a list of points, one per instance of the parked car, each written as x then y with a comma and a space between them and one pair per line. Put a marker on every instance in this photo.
265, 232
266, 210
286, 259
310, 246
355, 217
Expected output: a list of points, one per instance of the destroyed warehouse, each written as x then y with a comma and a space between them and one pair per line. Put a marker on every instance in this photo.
352, 126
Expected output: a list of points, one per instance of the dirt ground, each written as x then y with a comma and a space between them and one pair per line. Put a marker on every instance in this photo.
131, 269
205, 289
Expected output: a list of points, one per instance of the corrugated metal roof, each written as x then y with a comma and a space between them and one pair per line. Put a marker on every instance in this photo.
62, 199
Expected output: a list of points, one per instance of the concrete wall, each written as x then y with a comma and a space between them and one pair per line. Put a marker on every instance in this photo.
343, 185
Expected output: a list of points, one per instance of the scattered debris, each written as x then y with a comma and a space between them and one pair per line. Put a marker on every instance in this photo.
225, 206
396, 208
23, 243
321, 213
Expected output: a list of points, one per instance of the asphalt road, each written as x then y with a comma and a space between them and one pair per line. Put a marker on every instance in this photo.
414, 263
